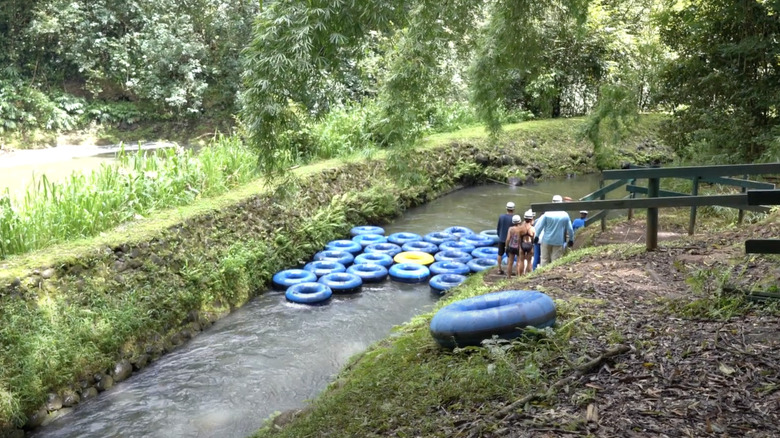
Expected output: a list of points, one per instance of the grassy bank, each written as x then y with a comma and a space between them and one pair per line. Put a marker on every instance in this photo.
134, 293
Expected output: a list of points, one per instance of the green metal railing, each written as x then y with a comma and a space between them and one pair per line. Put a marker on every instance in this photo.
656, 198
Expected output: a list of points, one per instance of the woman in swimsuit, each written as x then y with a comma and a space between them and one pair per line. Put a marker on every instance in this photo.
527, 233
513, 245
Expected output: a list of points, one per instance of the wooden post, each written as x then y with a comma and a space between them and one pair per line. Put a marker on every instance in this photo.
741, 215
604, 217
633, 195
653, 188
694, 192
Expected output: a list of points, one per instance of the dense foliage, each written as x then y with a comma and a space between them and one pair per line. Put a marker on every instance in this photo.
171, 58
327, 77
548, 58
724, 85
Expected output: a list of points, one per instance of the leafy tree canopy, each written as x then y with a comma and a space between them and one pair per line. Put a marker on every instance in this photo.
302, 51
724, 85
180, 56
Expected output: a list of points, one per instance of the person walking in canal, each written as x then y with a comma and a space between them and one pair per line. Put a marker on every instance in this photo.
502, 229
512, 244
554, 227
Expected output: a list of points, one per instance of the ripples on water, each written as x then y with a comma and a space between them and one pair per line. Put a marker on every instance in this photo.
272, 355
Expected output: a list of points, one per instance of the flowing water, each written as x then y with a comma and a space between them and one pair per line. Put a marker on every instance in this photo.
272, 355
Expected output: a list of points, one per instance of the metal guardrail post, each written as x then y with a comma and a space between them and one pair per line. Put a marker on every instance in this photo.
741, 215
604, 217
653, 189
694, 192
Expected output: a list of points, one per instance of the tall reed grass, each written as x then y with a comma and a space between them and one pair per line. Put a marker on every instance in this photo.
137, 184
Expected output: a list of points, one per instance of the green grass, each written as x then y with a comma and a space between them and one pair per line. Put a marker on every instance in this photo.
138, 185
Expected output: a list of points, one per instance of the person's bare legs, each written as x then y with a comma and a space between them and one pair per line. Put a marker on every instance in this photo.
510, 261
529, 266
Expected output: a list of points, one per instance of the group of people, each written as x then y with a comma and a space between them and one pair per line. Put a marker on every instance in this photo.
528, 243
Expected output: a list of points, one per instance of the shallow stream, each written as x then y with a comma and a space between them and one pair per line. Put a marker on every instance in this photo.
272, 355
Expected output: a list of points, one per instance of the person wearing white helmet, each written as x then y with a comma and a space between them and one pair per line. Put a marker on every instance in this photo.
502, 229
554, 227
512, 244
527, 234
580, 221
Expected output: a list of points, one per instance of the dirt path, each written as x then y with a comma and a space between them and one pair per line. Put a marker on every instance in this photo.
701, 362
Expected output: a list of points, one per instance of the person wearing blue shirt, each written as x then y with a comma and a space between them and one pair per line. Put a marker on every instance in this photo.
580, 221
554, 227
502, 229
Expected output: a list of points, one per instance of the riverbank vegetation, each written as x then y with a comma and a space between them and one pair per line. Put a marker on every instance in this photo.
141, 183
137, 185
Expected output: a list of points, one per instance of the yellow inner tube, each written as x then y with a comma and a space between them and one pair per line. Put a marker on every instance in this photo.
419, 257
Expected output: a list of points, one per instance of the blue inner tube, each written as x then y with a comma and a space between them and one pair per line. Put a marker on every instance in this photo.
505, 314
449, 267
366, 229
403, 237
453, 255
479, 265
390, 249
485, 252
438, 237
342, 282
308, 293
369, 239
374, 257
284, 279
344, 257
344, 245
443, 282
420, 245
460, 245
479, 240
458, 231
369, 272
490, 233
409, 272
324, 267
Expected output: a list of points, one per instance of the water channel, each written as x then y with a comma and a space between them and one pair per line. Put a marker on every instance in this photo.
272, 355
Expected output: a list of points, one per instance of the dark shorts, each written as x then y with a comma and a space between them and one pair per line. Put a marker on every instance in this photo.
527, 247
501, 248
514, 251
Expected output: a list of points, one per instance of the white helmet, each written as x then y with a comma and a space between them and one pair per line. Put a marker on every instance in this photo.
557, 198
510, 205
529, 214
516, 219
